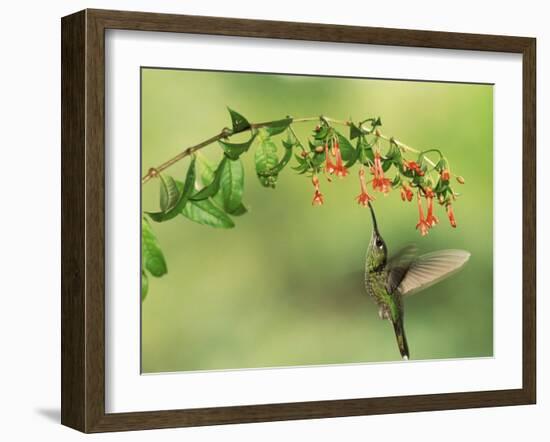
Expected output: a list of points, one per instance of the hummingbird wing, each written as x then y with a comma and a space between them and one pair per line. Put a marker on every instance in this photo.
431, 268
398, 266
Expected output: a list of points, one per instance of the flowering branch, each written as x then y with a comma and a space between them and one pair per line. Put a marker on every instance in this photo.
226, 133
213, 195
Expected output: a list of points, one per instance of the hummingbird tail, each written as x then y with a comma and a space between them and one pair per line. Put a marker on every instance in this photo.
401, 339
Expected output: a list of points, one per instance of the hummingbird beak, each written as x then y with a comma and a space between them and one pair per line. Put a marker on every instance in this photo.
374, 223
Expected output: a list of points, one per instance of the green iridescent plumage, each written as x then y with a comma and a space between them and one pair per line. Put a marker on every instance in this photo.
387, 281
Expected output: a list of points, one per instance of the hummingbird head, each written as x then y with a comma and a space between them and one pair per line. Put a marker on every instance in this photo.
377, 254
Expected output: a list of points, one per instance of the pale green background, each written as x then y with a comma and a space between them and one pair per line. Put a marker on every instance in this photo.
284, 287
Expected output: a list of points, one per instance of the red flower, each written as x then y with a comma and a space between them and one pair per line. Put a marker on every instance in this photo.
340, 169
451, 215
329, 166
363, 198
414, 166
431, 219
379, 182
428, 192
422, 223
445, 175
406, 193
318, 198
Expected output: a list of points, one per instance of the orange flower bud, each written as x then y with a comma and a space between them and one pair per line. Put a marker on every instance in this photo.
451, 215
406, 193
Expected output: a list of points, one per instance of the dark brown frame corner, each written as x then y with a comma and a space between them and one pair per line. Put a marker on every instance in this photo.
83, 234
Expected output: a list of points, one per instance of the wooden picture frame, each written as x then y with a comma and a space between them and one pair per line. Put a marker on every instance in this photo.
83, 220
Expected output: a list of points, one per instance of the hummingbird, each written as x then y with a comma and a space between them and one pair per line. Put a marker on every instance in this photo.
388, 281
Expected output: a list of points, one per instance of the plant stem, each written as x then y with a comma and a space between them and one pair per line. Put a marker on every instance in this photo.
154, 171
227, 133
307, 158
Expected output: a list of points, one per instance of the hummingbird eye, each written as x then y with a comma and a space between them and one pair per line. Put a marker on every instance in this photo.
379, 243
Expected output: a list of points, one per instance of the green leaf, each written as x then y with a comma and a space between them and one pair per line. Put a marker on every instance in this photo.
281, 164
266, 159
232, 184
207, 213
284, 161
396, 180
239, 122
207, 173
153, 259
206, 170
318, 159
235, 150
214, 186
277, 127
301, 169
169, 193
322, 133
144, 285
441, 165
441, 187
240, 210
366, 155
349, 153
290, 142
418, 180
394, 154
354, 131
386, 164
347, 150
302, 166
184, 191
422, 162
301, 160
352, 160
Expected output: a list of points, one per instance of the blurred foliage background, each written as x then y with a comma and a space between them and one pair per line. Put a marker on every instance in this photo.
285, 286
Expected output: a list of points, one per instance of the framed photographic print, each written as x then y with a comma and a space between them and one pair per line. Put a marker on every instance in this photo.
270, 220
